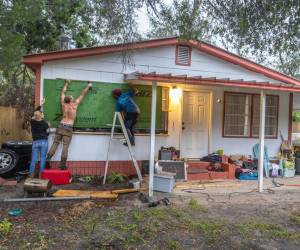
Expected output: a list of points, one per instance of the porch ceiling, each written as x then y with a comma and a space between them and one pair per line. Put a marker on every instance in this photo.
211, 81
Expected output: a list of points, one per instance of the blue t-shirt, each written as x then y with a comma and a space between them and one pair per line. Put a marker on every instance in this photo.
126, 103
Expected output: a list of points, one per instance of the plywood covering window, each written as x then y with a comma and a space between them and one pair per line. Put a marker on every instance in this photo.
96, 112
242, 115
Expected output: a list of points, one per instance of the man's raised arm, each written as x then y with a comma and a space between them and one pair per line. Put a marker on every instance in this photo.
64, 89
83, 93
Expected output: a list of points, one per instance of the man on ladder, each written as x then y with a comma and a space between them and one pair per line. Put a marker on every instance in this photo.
127, 105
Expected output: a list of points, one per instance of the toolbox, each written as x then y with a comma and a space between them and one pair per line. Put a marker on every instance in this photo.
32, 185
168, 154
57, 176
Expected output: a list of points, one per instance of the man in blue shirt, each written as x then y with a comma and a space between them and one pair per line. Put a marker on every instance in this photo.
126, 104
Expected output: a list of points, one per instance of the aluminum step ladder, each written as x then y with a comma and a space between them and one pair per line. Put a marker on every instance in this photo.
118, 116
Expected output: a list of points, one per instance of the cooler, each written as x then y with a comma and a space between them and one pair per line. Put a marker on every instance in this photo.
57, 176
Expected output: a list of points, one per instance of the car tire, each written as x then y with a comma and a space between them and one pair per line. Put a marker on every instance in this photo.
8, 162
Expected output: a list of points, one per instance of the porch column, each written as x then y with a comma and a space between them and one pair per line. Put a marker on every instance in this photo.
261, 141
291, 104
152, 137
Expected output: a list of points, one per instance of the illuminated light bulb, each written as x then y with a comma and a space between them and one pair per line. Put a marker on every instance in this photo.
176, 93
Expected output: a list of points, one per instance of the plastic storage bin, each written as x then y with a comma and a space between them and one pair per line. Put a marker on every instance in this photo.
163, 183
288, 172
56, 176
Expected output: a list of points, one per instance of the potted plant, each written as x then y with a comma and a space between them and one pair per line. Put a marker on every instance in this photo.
296, 121
288, 168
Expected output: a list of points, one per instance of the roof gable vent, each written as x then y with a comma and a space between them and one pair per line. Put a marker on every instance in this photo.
183, 55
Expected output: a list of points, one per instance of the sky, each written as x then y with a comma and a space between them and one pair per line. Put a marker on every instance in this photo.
143, 21
144, 24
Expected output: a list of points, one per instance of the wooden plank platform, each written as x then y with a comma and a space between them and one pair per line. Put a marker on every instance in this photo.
93, 194
128, 190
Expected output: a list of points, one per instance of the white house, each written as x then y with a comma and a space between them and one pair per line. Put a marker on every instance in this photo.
214, 98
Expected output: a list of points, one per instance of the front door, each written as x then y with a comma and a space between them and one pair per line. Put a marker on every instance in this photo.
195, 124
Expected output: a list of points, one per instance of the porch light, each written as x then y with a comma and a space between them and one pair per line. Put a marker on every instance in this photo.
176, 93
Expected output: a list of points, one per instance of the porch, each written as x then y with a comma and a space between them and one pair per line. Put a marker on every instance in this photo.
265, 117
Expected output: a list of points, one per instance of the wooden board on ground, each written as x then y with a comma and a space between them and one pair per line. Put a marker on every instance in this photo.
128, 190
93, 194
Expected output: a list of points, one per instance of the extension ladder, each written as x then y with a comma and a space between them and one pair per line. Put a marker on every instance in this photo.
118, 116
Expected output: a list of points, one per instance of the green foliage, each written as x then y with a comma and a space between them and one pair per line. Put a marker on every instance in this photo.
115, 178
173, 245
30, 26
296, 116
273, 230
288, 164
193, 204
295, 218
5, 227
210, 228
267, 30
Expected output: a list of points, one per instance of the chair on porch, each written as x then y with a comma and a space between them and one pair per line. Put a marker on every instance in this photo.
267, 163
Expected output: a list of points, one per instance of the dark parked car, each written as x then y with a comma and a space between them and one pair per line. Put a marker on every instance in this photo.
15, 157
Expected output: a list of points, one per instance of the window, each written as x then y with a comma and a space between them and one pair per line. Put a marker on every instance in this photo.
242, 115
183, 55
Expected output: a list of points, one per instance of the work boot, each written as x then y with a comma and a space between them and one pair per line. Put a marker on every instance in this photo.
63, 167
48, 166
63, 164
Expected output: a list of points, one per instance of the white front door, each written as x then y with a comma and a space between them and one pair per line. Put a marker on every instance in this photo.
195, 125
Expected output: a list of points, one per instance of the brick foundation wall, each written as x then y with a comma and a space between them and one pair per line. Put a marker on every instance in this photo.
97, 167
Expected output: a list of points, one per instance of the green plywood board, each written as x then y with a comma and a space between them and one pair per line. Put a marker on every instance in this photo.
98, 107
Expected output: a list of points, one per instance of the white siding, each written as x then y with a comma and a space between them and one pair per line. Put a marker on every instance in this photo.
296, 100
109, 68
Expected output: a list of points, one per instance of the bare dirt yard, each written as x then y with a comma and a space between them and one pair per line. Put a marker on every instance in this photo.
221, 215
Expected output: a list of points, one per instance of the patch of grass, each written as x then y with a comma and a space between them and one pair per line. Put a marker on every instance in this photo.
157, 212
5, 227
89, 223
194, 205
173, 245
272, 230
295, 218
209, 228
126, 232
137, 216
177, 213
42, 241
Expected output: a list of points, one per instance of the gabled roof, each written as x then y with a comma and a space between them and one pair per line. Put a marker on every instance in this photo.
36, 60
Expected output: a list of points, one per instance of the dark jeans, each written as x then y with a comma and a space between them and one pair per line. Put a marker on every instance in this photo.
130, 121
63, 134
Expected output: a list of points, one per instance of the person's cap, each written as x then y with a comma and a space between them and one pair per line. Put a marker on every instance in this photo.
117, 92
